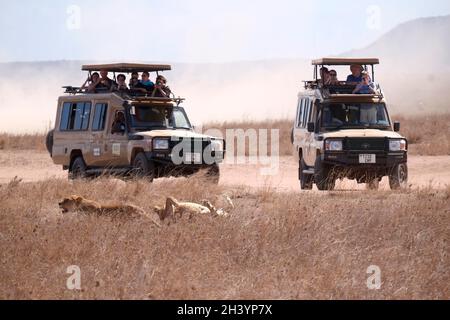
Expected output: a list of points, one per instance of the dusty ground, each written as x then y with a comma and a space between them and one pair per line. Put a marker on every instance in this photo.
425, 171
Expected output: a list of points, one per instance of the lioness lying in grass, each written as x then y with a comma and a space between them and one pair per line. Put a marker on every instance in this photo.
80, 204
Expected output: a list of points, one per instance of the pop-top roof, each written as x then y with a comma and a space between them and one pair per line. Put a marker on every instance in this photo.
345, 61
127, 67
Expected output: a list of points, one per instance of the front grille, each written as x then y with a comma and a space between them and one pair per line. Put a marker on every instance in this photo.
189, 145
365, 144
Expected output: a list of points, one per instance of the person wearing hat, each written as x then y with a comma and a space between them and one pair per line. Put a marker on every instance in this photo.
355, 77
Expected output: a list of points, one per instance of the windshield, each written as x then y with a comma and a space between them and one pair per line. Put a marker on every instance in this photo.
355, 115
156, 117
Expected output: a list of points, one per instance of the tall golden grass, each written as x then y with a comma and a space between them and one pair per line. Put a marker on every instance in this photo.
274, 246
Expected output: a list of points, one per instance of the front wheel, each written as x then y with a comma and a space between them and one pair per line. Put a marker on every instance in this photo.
398, 178
306, 180
323, 176
142, 168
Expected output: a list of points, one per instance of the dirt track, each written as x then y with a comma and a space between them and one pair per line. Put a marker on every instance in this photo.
34, 166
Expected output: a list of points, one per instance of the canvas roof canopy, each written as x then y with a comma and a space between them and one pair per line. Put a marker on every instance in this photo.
345, 61
127, 67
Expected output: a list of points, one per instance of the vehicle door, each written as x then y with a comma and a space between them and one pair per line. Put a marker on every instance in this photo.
116, 143
299, 131
310, 156
99, 150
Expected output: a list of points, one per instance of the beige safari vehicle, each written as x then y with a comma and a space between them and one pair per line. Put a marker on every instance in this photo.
338, 134
129, 133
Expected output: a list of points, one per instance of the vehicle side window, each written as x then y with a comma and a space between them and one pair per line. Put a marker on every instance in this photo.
310, 109
75, 116
100, 112
299, 113
306, 113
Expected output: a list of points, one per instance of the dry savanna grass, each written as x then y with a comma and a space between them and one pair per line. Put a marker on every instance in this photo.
35, 141
427, 134
273, 246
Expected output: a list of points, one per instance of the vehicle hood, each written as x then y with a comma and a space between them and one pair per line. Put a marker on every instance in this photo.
173, 133
362, 133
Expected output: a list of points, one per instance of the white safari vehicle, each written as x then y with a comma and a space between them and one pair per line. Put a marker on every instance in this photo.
338, 134
129, 132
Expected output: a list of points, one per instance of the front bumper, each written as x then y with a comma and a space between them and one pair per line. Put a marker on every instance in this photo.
166, 158
350, 159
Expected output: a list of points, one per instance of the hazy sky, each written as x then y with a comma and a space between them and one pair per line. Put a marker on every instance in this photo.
198, 30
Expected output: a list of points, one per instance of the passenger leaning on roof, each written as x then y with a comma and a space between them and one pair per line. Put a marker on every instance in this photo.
145, 85
134, 80
105, 83
324, 76
366, 86
333, 80
121, 85
162, 90
93, 80
355, 77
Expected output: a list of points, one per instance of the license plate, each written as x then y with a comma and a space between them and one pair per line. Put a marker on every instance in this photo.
192, 157
367, 158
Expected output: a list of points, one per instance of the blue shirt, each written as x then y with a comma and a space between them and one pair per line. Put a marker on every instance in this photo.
352, 78
363, 89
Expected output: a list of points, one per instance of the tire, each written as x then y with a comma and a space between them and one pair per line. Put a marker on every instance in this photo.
142, 168
306, 180
213, 174
78, 169
292, 136
49, 142
373, 184
323, 176
398, 178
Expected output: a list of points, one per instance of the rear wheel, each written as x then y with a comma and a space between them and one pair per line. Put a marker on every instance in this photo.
78, 169
213, 174
398, 178
49, 142
323, 176
306, 180
142, 168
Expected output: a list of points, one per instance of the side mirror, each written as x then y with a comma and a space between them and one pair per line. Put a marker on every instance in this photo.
396, 126
311, 127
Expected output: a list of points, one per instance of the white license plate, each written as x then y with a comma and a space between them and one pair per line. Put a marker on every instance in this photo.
192, 157
367, 158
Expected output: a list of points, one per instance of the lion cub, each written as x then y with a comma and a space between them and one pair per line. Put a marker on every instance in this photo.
80, 204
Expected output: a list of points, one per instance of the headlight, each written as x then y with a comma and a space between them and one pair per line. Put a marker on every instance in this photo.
161, 144
334, 145
397, 145
217, 145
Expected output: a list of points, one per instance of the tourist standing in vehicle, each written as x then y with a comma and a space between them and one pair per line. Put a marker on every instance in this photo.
356, 76
134, 80
105, 82
324, 76
162, 90
145, 85
93, 80
366, 86
121, 85
333, 80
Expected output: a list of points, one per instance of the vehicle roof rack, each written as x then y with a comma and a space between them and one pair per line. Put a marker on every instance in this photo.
345, 61
127, 67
